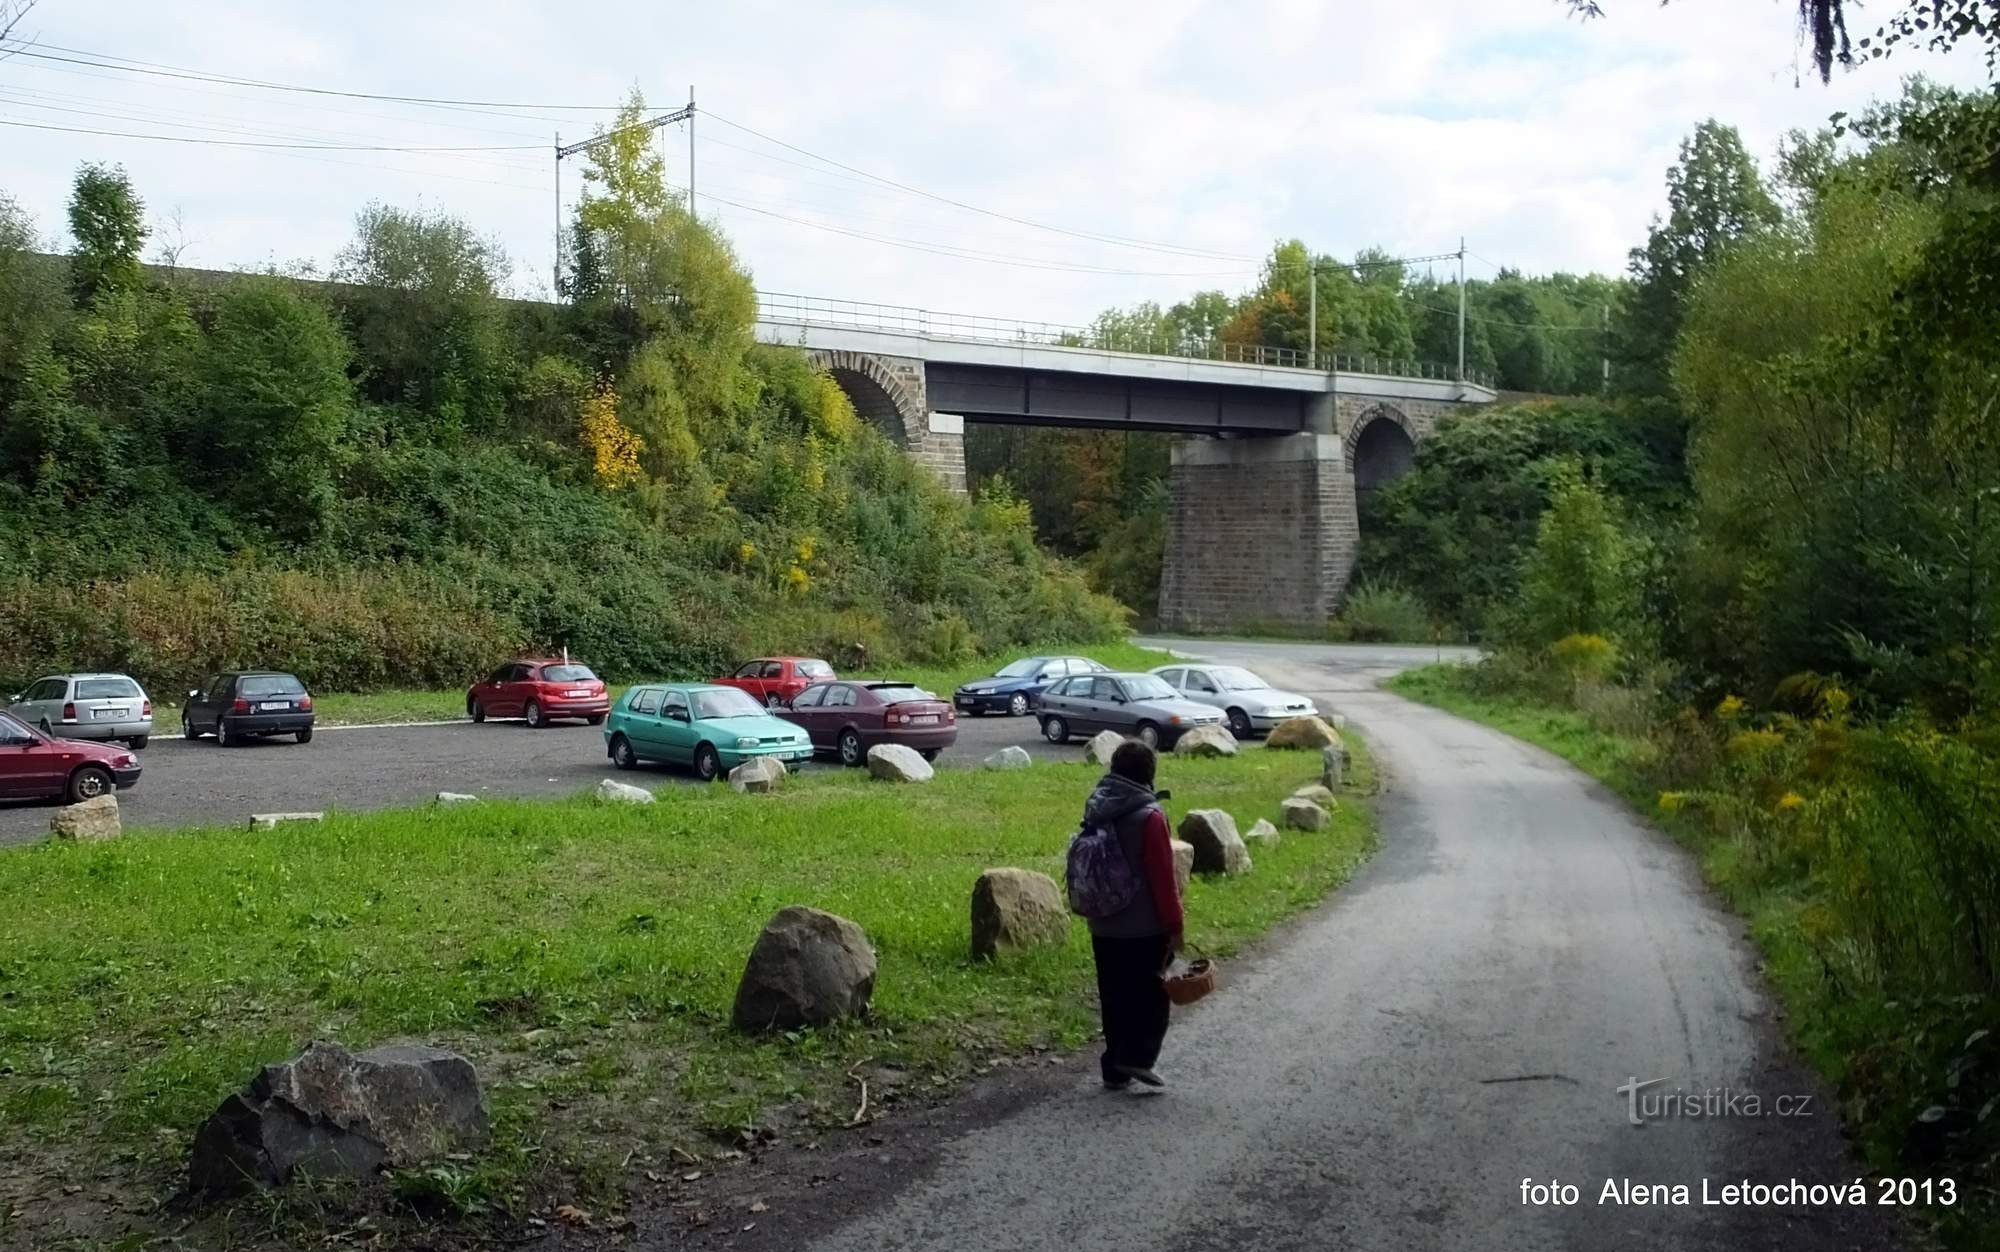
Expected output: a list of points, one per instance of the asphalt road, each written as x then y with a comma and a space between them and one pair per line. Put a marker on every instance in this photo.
1455, 1021
198, 783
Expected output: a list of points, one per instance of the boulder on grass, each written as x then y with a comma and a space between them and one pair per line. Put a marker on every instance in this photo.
1218, 849
89, 821
615, 792
270, 821
1317, 794
892, 762
1206, 741
1333, 767
1009, 757
1102, 744
1302, 732
1304, 815
1016, 908
757, 776
331, 1113
808, 968
1183, 865
456, 797
1263, 834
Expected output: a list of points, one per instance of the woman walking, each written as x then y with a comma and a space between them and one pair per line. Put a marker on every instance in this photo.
1133, 945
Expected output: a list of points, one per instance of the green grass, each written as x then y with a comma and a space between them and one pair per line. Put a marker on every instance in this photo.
368, 708
1607, 758
144, 979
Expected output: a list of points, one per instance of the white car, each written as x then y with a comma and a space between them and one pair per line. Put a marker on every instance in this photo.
87, 706
1252, 705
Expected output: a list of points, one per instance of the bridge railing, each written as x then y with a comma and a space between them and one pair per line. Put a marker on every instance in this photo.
904, 319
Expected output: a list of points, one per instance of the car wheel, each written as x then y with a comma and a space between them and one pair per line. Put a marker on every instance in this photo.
138, 742
187, 728
931, 754
851, 752
306, 735
476, 711
223, 738
1147, 734
47, 729
1239, 723
706, 763
89, 783
595, 719
533, 715
622, 754
1055, 730
1017, 704
773, 701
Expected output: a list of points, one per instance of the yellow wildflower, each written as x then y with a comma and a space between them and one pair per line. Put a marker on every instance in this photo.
1730, 709
1790, 800
1673, 801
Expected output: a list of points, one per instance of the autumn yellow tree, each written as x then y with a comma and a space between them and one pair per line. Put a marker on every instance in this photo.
614, 450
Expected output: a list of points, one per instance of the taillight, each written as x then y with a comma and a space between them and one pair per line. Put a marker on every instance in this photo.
305, 704
146, 709
239, 705
69, 712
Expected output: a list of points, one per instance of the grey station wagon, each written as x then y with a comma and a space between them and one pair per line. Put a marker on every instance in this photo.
87, 706
1141, 706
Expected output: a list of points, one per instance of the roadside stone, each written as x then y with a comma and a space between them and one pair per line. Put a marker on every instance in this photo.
268, 821
1318, 795
92, 821
1218, 849
1206, 741
331, 1113
1304, 815
615, 792
1333, 767
808, 968
1302, 732
456, 797
1016, 908
1102, 744
892, 762
1263, 834
1337, 720
1009, 757
1183, 865
757, 776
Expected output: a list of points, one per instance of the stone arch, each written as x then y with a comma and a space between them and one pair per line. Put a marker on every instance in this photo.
1380, 446
880, 394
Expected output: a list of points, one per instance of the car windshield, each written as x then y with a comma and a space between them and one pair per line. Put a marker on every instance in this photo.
1148, 687
567, 674
815, 669
902, 695
1020, 669
1234, 679
11, 729
107, 689
269, 685
730, 703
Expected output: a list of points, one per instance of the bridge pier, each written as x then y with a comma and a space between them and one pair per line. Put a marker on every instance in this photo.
1262, 532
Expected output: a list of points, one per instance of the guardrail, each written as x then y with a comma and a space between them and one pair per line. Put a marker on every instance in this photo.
931, 324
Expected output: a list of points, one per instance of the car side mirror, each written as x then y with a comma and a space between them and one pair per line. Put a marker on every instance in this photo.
194, 695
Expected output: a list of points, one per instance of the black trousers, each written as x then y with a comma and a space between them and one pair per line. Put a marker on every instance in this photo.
1133, 1002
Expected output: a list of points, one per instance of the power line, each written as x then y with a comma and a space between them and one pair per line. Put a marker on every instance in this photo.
1496, 321
257, 143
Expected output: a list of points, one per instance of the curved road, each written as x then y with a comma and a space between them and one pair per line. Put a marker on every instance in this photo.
1455, 1021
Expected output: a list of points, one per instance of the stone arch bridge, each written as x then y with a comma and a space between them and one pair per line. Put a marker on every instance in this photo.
1265, 483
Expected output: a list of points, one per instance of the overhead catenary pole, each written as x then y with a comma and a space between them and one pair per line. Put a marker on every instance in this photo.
556, 269
1312, 310
690, 116
1461, 308
1604, 345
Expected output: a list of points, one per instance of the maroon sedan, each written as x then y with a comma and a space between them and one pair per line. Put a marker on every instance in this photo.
848, 718
34, 766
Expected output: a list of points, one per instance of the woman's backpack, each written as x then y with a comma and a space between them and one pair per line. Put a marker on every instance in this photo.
1102, 879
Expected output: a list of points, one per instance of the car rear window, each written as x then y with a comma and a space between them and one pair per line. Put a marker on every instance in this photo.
269, 685
902, 695
567, 674
107, 689
815, 669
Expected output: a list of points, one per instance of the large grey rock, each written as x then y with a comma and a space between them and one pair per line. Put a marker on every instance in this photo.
1016, 908
270, 821
456, 797
1009, 757
757, 776
808, 967
1318, 795
1102, 744
1263, 833
1183, 865
1304, 815
892, 762
331, 1113
1333, 766
1302, 732
615, 792
1218, 849
1206, 741
90, 821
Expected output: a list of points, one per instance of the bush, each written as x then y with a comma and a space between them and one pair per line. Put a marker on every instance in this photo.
1382, 612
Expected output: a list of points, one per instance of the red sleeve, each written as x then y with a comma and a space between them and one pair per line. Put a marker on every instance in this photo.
1157, 851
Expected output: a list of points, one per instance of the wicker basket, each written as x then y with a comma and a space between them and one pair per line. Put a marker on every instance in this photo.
1190, 982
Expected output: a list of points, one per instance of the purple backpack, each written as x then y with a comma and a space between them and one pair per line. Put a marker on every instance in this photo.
1102, 881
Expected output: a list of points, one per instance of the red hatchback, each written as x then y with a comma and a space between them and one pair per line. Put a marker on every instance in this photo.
539, 691
35, 766
848, 718
775, 680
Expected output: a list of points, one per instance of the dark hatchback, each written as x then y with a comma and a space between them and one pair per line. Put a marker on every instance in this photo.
1015, 689
246, 704
848, 718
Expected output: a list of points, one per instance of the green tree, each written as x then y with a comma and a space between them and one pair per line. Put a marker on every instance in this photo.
31, 300
1579, 578
108, 221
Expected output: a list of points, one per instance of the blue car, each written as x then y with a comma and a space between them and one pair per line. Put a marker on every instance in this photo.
1014, 689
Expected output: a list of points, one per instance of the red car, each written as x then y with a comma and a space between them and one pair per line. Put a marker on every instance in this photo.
777, 679
36, 766
539, 691
848, 718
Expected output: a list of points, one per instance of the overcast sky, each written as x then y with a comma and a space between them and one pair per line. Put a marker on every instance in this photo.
1210, 129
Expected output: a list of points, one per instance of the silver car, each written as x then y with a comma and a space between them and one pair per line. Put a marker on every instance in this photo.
1252, 705
1138, 705
87, 706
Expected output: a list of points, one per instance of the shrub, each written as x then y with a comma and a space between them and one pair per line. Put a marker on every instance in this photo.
1382, 612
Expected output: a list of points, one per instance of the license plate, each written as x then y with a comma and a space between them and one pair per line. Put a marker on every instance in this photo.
111, 712
274, 706
924, 719
576, 695
965, 702
804, 754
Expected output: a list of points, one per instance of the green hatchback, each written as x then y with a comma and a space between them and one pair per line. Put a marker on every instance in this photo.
709, 729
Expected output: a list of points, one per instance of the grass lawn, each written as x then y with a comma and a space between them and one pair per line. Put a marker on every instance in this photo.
585, 956
345, 708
